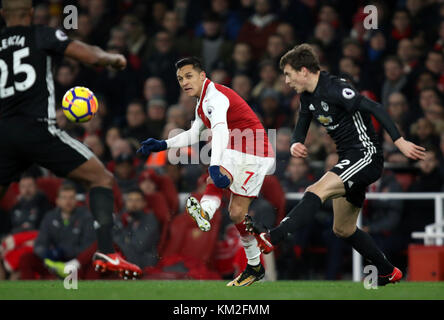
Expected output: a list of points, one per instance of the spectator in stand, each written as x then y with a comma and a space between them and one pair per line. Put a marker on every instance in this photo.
408, 55
212, 46
242, 62
376, 52
136, 235
272, 115
92, 127
156, 111
435, 114
324, 33
25, 217
136, 39
41, 14
283, 144
94, 142
258, 28
398, 109
160, 63
171, 23
275, 48
243, 86
125, 172
137, 127
353, 49
158, 10
423, 132
349, 66
189, 103
395, 79
64, 233
401, 28
287, 32
176, 114
268, 78
101, 21
84, 30
297, 177
154, 87
230, 19
435, 63
327, 13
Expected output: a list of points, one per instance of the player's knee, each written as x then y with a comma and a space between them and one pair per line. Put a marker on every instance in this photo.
237, 212
316, 190
104, 179
342, 231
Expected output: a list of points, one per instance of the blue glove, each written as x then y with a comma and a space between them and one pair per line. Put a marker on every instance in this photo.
152, 145
220, 180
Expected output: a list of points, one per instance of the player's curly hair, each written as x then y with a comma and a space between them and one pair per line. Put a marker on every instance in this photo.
300, 56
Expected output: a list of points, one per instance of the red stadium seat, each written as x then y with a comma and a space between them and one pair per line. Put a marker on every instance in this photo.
272, 191
157, 203
50, 186
187, 240
10, 198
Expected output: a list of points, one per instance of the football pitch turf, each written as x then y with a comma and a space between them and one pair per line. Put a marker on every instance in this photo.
216, 290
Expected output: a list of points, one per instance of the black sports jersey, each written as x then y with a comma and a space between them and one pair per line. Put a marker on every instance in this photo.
26, 80
334, 105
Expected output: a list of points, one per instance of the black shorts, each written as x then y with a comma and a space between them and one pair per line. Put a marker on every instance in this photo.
25, 141
358, 169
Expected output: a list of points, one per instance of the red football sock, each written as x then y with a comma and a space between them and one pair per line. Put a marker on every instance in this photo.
212, 190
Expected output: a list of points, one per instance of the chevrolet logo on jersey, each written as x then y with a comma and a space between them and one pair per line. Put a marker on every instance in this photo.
325, 120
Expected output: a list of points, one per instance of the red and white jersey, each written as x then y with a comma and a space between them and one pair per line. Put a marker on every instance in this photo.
219, 105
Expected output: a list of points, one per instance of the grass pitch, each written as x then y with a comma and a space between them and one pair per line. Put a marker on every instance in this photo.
216, 290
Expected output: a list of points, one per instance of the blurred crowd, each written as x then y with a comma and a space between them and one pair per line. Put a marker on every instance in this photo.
400, 64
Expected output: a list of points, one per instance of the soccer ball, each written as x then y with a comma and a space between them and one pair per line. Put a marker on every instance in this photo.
79, 104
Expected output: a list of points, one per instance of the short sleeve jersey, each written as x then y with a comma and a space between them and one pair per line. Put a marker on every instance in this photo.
27, 55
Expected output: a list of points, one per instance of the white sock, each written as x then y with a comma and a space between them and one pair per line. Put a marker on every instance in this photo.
251, 250
210, 204
74, 262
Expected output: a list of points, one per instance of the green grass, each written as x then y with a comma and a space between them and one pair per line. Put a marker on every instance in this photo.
216, 290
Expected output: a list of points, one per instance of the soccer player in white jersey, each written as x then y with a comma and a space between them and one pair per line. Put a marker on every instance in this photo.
241, 156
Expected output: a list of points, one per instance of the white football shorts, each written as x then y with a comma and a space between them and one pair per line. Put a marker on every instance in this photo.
247, 171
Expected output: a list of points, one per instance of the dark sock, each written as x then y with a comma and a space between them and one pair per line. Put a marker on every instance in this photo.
101, 203
298, 217
363, 243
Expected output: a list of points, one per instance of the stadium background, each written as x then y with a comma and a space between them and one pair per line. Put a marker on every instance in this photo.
400, 64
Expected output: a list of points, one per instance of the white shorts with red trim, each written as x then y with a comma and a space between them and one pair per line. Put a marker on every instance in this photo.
247, 171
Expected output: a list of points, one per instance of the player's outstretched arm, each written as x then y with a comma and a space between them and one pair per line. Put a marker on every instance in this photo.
94, 55
409, 149
184, 139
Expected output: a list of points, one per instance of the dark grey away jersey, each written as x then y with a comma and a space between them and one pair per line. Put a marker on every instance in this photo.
26, 80
334, 105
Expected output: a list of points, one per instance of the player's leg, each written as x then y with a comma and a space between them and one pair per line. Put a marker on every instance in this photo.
329, 186
100, 181
101, 201
67, 157
344, 226
202, 212
254, 271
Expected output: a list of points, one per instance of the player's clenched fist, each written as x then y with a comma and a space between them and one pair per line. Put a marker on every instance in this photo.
298, 150
118, 62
